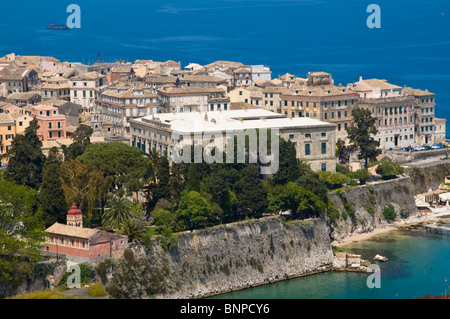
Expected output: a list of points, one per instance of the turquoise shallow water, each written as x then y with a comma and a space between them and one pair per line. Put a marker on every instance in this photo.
419, 264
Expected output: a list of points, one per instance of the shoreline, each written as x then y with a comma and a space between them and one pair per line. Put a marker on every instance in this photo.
436, 215
411, 221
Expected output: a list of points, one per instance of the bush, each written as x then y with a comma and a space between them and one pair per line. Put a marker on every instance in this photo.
362, 175
96, 290
389, 170
333, 180
389, 212
87, 275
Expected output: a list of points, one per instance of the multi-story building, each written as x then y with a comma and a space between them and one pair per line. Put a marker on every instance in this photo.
321, 99
18, 79
52, 125
84, 89
188, 99
393, 108
424, 107
120, 103
314, 140
440, 132
56, 87
7, 133
192, 80
260, 73
251, 94
243, 77
25, 98
157, 81
22, 121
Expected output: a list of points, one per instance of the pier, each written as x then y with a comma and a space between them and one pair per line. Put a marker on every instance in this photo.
438, 229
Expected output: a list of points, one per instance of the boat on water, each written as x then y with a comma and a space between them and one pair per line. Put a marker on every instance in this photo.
58, 27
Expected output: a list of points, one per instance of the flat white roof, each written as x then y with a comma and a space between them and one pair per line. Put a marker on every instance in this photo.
193, 122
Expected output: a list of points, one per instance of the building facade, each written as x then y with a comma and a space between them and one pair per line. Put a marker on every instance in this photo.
314, 140
81, 244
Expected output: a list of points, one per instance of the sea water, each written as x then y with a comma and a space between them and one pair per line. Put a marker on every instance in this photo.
296, 36
418, 265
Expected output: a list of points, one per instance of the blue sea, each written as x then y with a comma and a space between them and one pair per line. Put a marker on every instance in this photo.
417, 266
411, 48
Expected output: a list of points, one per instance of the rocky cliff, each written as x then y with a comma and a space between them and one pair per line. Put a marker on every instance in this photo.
240, 255
429, 177
361, 208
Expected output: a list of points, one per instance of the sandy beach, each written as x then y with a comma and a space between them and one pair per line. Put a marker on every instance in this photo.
435, 215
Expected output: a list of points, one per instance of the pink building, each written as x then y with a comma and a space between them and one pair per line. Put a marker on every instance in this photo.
52, 125
77, 243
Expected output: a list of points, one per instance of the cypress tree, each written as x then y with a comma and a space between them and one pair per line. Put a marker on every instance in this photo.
26, 159
51, 195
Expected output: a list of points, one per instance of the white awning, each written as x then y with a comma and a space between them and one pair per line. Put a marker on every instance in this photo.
444, 197
421, 203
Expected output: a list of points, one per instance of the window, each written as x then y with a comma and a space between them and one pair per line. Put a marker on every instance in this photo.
307, 135
291, 136
323, 167
323, 134
307, 149
50, 125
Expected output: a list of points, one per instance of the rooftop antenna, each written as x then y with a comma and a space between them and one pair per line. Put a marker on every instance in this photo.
99, 60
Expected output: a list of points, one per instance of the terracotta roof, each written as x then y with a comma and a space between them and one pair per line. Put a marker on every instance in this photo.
88, 76
382, 84
71, 231
5, 117
417, 92
190, 90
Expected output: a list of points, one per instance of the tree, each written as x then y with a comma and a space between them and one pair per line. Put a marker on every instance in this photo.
361, 135
82, 184
250, 192
301, 202
51, 197
25, 158
193, 180
163, 186
362, 175
333, 180
81, 139
389, 170
194, 211
21, 232
343, 152
125, 168
118, 211
289, 168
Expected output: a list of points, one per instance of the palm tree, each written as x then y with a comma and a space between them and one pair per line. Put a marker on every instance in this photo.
133, 229
154, 156
118, 211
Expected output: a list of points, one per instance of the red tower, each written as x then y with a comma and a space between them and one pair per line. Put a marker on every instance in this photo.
74, 217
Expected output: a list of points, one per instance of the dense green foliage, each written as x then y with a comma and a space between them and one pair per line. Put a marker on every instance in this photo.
21, 232
389, 212
389, 170
51, 196
26, 160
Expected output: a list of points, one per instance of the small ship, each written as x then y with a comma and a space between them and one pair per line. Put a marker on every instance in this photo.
58, 27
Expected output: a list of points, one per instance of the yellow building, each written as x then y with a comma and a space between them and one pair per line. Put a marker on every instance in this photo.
22, 121
7, 133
